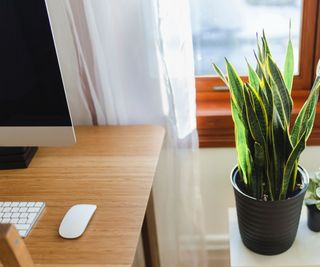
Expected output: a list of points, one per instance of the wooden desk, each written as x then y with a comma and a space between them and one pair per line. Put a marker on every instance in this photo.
112, 167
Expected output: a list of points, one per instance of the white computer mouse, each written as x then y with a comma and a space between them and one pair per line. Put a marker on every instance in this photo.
76, 219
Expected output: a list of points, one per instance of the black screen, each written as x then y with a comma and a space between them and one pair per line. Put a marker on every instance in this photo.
31, 88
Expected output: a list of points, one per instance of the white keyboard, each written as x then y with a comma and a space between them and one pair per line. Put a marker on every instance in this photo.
22, 214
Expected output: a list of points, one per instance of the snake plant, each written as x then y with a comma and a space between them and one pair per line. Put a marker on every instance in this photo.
268, 149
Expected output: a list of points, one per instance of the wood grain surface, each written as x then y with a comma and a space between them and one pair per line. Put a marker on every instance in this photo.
112, 167
13, 251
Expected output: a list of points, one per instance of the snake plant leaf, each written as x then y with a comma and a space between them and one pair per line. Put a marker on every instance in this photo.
235, 85
305, 119
288, 149
287, 171
252, 118
265, 46
260, 65
259, 109
282, 90
276, 140
289, 66
270, 97
267, 89
283, 100
220, 73
254, 79
259, 48
265, 101
259, 70
279, 104
259, 162
243, 152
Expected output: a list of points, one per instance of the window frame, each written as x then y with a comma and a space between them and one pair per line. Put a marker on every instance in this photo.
214, 121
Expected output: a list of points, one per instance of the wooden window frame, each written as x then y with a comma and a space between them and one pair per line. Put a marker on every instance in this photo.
214, 121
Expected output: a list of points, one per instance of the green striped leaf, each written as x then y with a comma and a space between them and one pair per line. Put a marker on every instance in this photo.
259, 163
254, 79
259, 109
260, 54
260, 66
252, 119
289, 66
265, 46
266, 88
305, 119
277, 139
244, 162
287, 171
235, 85
220, 73
270, 98
280, 88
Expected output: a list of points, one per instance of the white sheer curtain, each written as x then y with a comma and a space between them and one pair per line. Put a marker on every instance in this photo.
135, 66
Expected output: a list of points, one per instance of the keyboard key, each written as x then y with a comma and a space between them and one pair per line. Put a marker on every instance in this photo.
15, 220
32, 215
14, 204
7, 215
7, 209
22, 226
15, 215
31, 204
23, 215
5, 220
30, 221
15, 209
22, 221
23, 209
39, 204
7, 204
22, 204
1, 204
33, 210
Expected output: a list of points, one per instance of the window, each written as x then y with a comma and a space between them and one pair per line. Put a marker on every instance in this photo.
227, 29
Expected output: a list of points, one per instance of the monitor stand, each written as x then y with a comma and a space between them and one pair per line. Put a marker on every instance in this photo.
16, 157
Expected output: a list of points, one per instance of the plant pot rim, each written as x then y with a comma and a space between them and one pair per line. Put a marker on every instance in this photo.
302, 170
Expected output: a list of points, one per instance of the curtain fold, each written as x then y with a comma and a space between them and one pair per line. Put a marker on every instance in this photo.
135, 66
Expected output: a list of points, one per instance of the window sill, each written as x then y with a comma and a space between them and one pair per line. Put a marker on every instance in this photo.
215, 125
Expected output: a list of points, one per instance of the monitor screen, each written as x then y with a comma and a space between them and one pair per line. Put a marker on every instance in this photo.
32, 92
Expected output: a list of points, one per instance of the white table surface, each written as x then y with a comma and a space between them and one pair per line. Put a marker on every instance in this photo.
305, 251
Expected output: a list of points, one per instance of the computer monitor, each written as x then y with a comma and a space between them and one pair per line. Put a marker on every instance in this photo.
33, 105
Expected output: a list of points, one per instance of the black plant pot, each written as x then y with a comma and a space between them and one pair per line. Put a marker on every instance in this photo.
268, 227
313, 218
